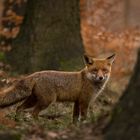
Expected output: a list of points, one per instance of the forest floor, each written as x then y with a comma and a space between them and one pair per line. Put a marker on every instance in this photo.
55, 123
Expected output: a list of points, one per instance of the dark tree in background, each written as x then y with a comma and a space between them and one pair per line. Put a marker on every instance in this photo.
125, 124
49, 38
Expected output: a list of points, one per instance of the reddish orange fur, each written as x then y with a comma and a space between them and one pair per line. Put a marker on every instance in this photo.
40, 89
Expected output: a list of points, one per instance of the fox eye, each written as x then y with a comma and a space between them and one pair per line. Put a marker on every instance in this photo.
105, 70
94, 70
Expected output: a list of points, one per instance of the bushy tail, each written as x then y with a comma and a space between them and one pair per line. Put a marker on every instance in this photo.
16, 93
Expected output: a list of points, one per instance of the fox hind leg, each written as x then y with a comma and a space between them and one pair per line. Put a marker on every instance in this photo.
38, 108
28, 103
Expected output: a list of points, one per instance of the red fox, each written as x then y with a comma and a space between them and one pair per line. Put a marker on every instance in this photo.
40, 89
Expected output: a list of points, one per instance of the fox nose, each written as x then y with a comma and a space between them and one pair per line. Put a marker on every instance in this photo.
101, 78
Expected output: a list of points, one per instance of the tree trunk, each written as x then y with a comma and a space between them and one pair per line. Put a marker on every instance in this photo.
49, 38
1, 11
125, 124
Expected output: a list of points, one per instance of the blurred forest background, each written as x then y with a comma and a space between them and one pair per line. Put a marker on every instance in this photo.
106, 26
48, 34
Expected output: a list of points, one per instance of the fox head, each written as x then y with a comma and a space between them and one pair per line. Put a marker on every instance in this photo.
98, 70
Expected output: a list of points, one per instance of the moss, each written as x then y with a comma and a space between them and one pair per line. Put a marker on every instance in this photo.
10, 136
2, 56
71, 64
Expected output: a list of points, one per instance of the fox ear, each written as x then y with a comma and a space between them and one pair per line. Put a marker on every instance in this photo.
111, 58
88, 59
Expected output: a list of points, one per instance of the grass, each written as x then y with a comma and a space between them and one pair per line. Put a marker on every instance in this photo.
56, 118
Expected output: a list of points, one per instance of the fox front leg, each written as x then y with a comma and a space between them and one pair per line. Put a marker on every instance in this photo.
83, 111
76, 112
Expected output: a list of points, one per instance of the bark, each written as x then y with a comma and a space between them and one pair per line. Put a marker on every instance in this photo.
126, 12
125, 124
50, 37
1, 11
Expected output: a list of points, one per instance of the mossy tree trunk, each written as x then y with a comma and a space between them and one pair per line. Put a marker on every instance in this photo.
125, 124
49, 38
